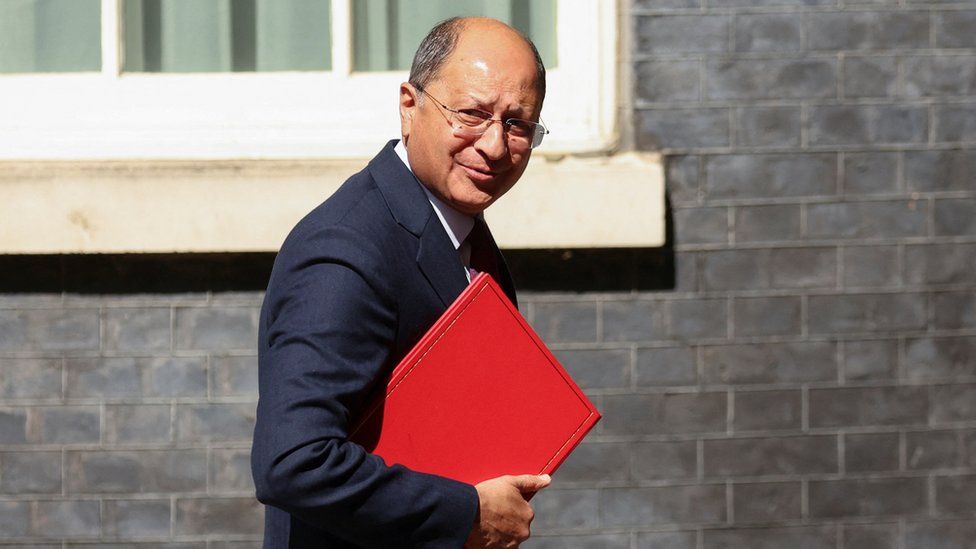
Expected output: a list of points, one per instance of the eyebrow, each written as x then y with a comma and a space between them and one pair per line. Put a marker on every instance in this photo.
520, 111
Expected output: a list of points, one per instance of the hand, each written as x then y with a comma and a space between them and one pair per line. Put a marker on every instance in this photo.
504, 513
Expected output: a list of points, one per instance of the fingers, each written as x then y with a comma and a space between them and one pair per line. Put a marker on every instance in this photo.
505, 516
531, 483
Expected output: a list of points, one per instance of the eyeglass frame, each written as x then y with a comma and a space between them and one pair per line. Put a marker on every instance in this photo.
537, 135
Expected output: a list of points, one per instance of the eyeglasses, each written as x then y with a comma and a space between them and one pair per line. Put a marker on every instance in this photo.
471, 123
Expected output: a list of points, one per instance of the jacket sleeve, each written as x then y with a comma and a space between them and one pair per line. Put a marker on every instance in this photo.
327, 331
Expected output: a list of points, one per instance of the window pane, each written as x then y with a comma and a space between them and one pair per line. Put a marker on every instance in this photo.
227, 35
387, 32
50, 35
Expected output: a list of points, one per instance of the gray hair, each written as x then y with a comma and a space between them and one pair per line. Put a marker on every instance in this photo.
439, 44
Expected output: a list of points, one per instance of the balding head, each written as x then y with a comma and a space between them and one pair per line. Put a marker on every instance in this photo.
442, 41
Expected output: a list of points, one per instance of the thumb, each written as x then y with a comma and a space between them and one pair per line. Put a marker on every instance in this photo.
531, 483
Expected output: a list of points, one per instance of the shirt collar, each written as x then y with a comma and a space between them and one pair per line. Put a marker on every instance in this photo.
457, 225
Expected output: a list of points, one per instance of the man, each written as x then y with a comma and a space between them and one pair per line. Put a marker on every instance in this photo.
362, 277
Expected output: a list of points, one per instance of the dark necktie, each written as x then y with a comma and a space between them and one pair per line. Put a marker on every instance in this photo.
483, 257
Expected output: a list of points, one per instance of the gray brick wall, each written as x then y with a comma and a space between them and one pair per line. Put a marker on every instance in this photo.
810, 381
125, 421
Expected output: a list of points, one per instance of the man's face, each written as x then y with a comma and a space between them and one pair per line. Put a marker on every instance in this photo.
490, 70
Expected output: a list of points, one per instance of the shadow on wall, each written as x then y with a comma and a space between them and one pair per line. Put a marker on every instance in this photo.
597, 269
135, 273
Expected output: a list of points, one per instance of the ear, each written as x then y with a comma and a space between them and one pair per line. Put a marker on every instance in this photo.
408, 108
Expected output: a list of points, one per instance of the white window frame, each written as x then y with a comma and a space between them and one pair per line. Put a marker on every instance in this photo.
334, 114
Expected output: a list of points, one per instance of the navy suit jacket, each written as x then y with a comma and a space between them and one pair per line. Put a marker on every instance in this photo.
356, 284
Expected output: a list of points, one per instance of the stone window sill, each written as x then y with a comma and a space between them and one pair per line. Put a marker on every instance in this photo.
246, 206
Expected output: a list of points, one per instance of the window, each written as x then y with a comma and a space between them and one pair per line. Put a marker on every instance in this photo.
49, 36
117, 79
226, 36
386, 32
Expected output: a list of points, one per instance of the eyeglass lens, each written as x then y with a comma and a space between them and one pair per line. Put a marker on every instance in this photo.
471, 123
520, 133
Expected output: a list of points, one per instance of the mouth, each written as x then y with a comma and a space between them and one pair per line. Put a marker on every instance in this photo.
479, 175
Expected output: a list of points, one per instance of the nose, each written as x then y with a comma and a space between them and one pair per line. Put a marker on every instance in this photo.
493, 143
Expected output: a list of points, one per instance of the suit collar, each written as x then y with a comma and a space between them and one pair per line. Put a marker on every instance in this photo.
437, 257
455, 223
402, 191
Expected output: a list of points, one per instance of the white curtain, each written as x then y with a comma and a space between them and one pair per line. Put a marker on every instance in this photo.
387, 32
227, 35
50, 36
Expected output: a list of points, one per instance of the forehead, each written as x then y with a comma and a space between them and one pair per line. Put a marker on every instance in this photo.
492, 73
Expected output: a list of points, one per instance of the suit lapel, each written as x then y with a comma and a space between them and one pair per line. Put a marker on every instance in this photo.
436, 256
507, 283
443, 269
505, 280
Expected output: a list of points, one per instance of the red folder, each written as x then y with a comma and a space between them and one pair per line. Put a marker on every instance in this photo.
478, 397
